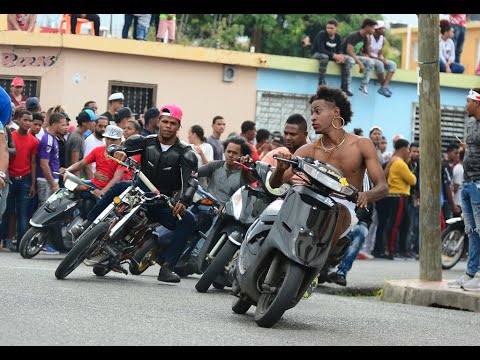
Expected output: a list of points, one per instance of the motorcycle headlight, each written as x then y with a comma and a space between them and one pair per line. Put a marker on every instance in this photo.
281, 191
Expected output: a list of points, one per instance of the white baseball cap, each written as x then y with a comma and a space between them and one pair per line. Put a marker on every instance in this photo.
375, 127
380, 24
113, 132
116, 96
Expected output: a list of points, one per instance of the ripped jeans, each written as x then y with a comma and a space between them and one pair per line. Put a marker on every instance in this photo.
471, 213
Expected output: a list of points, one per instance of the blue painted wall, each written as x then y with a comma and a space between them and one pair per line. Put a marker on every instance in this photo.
394, 115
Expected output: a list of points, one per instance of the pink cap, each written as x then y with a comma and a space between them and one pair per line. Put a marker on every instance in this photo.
18, 82
171, 110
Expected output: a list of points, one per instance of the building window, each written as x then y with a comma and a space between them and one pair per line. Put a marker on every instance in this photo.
32, 85
274, 108
454, 121
138, 97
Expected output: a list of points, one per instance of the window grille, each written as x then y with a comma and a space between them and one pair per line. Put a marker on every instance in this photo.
453, 123
274, 108
138, 97
32, 85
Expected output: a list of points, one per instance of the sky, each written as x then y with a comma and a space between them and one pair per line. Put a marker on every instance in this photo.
410, 19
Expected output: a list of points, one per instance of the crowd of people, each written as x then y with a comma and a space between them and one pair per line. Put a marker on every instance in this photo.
384, 224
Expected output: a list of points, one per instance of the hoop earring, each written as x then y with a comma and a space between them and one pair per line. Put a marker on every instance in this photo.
343, 122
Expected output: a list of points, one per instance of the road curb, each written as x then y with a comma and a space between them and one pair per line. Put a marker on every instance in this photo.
430, 293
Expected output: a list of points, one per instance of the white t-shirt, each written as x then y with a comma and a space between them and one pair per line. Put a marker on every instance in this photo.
208, 152
376, 45
91, 142
40, 134
458, 179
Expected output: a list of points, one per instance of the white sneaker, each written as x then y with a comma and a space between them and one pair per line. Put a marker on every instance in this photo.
472, 285
457, 284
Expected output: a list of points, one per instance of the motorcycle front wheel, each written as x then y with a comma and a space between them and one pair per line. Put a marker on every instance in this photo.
453, 246
217, 267
144, 257
284, 285
33, 241
86, 245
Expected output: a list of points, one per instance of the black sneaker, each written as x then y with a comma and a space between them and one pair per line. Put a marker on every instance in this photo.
78, 229
348, 92
338, 278
167, 275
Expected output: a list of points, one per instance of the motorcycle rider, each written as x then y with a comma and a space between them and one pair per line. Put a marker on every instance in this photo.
351, 154
169, 164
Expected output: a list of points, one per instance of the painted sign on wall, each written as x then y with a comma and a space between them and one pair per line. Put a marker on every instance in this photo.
12, 60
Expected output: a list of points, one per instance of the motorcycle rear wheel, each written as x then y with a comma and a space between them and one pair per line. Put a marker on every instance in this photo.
287, 281
146, 256
453, 246
86, 245
33, 241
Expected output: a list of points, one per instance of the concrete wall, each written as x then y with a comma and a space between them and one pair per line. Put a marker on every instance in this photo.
197, 87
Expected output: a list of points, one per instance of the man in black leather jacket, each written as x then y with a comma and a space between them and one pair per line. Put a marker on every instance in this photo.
169, 164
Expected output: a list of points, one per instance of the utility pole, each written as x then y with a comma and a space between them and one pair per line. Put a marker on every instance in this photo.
430, 169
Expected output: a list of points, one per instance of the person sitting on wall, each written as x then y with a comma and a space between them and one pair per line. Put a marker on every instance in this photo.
447, 50
92, 17
22, 22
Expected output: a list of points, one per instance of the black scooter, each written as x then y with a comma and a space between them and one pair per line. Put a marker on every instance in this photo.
52, 221
243, 209
274, 271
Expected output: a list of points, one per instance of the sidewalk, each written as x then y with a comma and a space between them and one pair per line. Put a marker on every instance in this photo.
400, 282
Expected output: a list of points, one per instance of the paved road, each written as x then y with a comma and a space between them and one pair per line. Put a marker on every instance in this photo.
120, 310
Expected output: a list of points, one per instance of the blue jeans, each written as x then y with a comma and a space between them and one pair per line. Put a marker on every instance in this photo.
3, 206
455, 67
163, 214
357, 237
142, 32
367, 62
471, 215
18, 203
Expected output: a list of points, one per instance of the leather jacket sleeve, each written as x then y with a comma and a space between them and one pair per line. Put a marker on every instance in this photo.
190, 183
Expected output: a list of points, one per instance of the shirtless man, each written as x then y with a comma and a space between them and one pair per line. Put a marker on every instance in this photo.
351, 154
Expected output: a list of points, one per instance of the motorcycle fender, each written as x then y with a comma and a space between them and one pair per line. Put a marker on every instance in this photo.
304, 226
55, 209
120, 224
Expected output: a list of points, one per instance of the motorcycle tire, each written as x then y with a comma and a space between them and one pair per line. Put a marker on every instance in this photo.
31, 244
240, 306
144, 257
85, 245
452, 236
271, 306
218, 286
217, 266
100, 271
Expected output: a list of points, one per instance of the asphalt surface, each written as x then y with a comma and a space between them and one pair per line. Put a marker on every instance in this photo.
120, 310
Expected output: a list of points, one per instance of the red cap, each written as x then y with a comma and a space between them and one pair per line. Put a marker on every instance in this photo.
18, 82
171, 110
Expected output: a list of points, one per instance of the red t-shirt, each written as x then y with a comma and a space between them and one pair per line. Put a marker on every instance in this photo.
128, 173
26, 147
255, 156
106, 166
